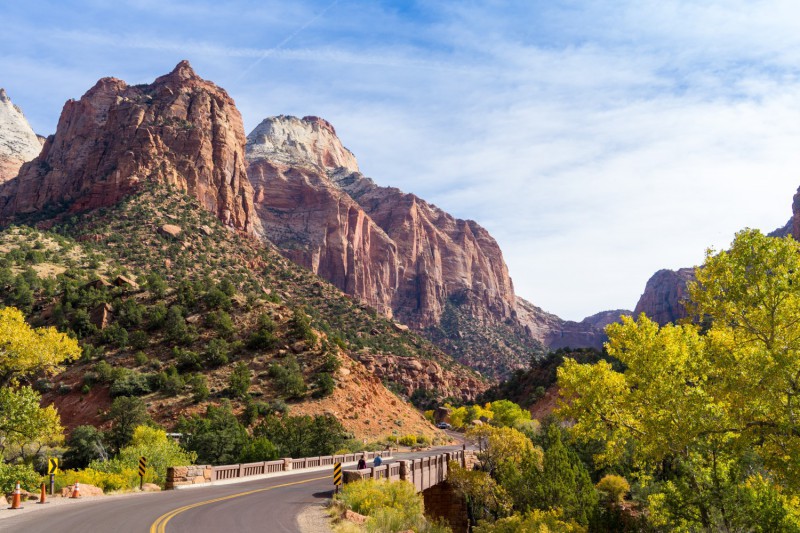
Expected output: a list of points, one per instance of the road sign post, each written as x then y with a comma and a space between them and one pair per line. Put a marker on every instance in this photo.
337, 476
142, 471
52, 470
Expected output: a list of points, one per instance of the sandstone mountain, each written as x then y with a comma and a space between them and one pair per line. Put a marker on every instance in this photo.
556, 333
403, 256
180, 130
664, 294
18, 143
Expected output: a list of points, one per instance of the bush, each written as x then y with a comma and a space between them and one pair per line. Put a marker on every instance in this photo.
84, 445
390, 506
221, 322
217, 353
239, 381
288, 378
25, 474
138, 340
259, 449
130, 383
108, 481
199, 385
408, 440
169, 381
614, 487
115, 335
300, 327
325, 385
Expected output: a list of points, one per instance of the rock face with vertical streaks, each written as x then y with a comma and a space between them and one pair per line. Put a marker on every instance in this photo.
180, 130
405, 257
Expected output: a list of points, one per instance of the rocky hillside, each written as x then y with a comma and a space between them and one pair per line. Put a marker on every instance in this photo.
180, 130
193, 299
403, 256
556, 333
664, 295
18, 143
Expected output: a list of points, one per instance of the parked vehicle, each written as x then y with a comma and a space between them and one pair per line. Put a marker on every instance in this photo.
444, 425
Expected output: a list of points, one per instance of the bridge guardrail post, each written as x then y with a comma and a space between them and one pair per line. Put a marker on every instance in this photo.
287, 464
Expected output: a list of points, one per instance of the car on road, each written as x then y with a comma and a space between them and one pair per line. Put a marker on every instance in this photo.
444, 425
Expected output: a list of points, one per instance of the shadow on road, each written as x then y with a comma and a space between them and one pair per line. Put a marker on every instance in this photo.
323, 494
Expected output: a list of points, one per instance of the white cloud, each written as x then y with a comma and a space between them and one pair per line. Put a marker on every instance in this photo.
597, 141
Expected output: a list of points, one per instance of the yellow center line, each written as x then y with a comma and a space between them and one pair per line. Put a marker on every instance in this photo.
159, 526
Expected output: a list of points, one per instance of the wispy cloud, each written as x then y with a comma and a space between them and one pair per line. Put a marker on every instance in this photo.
598, 141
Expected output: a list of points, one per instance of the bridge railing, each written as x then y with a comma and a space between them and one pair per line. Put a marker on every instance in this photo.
422, 473
180, 476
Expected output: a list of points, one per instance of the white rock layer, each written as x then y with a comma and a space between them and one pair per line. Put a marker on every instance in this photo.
18, 143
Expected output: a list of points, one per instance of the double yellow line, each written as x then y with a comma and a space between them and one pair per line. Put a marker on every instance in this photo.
160, 525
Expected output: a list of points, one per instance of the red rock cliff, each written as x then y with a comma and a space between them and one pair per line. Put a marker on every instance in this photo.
181, 130
664, 294
391, 249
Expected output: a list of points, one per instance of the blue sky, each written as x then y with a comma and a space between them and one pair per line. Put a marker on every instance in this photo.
597, 141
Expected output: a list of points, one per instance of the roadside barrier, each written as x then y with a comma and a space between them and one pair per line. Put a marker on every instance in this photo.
16, 499
42, 497
76, 492
181, 476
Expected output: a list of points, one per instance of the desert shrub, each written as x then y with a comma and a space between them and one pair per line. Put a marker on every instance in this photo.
217, 353
258, 449
324, 385
156, 285
288, 378
115, 335
130, 383
130, 313
221, 322
199, 386
126, 414
330, 364
140, 358
264, 336
239, 381
169, 381
157, 316
216, 299
408, 440
186, 360
614, 487
300, 327
108, 481
535, 520
372, 497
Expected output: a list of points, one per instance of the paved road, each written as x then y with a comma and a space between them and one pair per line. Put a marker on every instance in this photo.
263, 505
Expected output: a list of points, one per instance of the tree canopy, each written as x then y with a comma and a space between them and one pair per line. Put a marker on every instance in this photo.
717, 396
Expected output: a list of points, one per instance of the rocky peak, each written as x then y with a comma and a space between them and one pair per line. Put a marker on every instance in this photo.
180, 130
664, 295
18, 143
308, 142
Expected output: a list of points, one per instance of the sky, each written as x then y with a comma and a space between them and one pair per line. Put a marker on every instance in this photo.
598, 142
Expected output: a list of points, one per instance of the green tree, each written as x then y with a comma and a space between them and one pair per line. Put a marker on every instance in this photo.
84, 445
507, 413
239, 381
303, 436
217, 436
126, 414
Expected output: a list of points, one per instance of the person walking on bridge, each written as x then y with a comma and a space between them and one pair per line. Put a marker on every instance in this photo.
362, 463
377, 462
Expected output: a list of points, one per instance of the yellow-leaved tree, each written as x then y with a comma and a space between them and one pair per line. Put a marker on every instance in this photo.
25, 426
708, 403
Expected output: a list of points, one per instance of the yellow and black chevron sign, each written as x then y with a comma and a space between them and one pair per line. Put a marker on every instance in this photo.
142, 466
337, 473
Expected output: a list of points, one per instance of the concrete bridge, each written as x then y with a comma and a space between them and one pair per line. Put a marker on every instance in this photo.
423, 473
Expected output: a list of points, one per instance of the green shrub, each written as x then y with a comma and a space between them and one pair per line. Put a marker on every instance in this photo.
217, 353
25, 474
199, 385
239, 381
130, 383
288, 378
324, 385
115, 335
369, 496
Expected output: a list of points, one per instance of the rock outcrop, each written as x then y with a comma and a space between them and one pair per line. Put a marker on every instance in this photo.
180, 130
664, 296
391, 249
18, 143
555, 332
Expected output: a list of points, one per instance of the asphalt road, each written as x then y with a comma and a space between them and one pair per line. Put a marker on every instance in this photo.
270, 505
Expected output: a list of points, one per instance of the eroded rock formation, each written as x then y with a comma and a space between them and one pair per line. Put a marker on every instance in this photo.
18, 143
181, 130
555, 332
664, 295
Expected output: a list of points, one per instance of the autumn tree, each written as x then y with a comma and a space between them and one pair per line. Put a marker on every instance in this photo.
706, 403
25, 427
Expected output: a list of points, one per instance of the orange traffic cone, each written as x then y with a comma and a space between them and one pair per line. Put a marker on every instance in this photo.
16, 499
42, 498
76, 491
